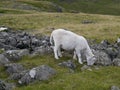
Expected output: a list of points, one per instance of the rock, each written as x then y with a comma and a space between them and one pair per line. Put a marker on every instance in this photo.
86, 67
118, 40
6, 86
14, 55
3, 60
102, 58
42, 72
42, 50
68, 64
112, 52
116, 61
11, 41
4, 34
6, 47
87, 22
14, 68
102, 46
118, 56
115, 88
25, 80
3, 29
17, 76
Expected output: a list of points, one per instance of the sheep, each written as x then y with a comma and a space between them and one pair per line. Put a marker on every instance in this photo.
67, 40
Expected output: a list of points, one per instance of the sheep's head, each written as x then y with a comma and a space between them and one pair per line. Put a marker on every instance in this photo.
91, 61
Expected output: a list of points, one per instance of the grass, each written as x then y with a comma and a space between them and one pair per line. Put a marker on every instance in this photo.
90, 6
103, 26
107, 7
101, 79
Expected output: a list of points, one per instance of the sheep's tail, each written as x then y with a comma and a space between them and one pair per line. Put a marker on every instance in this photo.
51, 40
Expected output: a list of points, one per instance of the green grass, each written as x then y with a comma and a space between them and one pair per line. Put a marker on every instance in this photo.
42, 5
108, 7
103, 26
101, 79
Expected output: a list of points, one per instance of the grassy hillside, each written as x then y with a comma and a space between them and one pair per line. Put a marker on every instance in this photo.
102, 26
40, 16
109, 7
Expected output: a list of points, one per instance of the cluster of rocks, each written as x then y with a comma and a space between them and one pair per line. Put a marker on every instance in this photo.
106, 53
16, 44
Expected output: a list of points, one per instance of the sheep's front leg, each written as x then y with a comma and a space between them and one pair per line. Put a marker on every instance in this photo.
79, 56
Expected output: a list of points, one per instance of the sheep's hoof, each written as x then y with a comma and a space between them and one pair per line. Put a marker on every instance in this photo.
56, 58
81, 62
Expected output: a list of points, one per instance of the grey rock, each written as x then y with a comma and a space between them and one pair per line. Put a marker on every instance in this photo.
14, 68
25, 80
41, 73
44, 72
68, 64
17, 76
87, 22
6, 86
6, 47
112, 52
115, 88
42, 50
4, 34
11, 41
86, 67
14, 55
3, 60
102, 58
116, 61
118, 56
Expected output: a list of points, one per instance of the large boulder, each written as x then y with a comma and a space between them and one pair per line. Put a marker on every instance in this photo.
41, 73
102, 58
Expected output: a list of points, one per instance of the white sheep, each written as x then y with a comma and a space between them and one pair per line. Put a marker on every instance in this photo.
68, 40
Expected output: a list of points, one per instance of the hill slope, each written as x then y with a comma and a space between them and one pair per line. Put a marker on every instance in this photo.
111, 7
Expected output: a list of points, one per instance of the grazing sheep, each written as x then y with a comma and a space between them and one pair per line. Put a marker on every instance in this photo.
68, 40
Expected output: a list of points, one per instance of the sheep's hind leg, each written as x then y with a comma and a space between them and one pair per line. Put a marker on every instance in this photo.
74, 56
59, 53
56, 53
